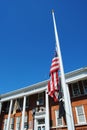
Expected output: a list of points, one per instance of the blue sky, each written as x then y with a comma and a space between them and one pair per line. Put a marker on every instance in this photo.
27, 40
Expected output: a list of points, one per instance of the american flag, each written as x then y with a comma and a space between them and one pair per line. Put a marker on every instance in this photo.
53, 83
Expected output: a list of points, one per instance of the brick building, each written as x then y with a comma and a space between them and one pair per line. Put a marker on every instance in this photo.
31, 108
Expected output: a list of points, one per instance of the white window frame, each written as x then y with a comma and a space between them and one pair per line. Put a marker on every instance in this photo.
75, 95
41, 116
18, 123
41, 125
25, 121
58, 119
5, 124
84, 87
12, 124
83, 114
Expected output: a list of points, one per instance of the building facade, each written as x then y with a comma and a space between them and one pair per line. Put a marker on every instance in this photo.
31, 108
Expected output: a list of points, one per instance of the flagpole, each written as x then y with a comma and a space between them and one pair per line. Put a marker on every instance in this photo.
69, 118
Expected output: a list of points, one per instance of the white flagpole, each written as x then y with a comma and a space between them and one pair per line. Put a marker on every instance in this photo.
69, 118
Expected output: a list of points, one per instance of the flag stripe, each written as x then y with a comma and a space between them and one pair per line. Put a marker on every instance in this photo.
54, 65
53, 83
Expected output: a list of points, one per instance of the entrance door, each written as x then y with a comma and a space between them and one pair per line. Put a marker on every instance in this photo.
41, 127
41, 124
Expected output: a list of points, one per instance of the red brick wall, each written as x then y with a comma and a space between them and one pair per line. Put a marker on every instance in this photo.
52, 108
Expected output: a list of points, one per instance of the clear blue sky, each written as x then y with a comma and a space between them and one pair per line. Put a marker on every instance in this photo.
27, 41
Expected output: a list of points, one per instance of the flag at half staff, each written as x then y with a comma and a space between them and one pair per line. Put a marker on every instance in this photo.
53, 83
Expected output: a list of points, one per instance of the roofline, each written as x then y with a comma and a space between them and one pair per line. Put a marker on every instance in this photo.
25, 89
43, 83
75, 71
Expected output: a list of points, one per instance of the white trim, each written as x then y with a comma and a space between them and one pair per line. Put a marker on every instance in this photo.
53, 127
22, 94
26, 89
76, 75
77, 78
38, 117
59, 127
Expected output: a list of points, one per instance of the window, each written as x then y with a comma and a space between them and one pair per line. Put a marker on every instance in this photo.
85, 86
76, 90
12, 124
5, 124
80, 114
27, 102
20, 101
41, 98
7, 107
59, 121
18, 120
25, 123
41, 121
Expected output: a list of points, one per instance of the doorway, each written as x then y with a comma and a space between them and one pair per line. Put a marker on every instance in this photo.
41, 124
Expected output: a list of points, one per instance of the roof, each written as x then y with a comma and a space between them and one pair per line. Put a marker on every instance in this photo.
41, 86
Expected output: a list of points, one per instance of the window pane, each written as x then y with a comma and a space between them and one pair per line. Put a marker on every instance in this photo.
81, 118
80, 110
25, 119
76, 90
18, 120
11, 123
25, 122
41, 121
80, 114
59, 121
43, 127
27, 102
85, 86
41, 98
39, 128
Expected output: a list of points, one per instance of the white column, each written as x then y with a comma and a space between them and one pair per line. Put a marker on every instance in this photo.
47, 112
10, 108
23, 113
0, 107
35, 123
70, 114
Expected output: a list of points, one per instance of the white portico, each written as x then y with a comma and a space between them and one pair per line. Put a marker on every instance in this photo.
24, 93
